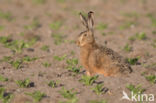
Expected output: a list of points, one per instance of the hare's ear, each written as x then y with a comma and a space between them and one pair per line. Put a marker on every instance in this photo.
83, 20
90, 20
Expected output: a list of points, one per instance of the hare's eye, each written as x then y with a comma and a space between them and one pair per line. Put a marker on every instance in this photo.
85, 34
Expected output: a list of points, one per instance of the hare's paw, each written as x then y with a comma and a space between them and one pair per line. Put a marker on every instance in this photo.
88, 73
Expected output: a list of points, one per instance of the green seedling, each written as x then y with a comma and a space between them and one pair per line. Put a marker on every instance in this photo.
60, 1
37, 96
132, 38
69, 95
16, 45
39, 1
127, 25
102, 26
21, 34
34, 25
98, 89
24, 83
53, 84
3, 79
72, 65
154, 32
151, 78
6, 59
18, 62
1, 27
27, 59
88, 80
60, 58
133, 61
55, 25
4, 39
152, 65
131, 14
74, 100
152, 18
73, 61
5, 97
58, 38
141, 36
154, 43
136, 89
72, 53
97, 101
45, 48
46, 64
127, 48
6, 15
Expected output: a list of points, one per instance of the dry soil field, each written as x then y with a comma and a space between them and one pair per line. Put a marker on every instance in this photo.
39, 60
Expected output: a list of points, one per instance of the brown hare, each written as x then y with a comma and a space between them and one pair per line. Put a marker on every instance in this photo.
98, 59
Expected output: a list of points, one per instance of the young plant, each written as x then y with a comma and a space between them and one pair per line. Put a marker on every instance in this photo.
55, 25
24, 83
46, 64
133, 61
16, 45
53, 84
127, 48
18, 62
6, 59
60, 1
152, 19
45, 48
58, 38
102, 26
131, 14
35, 24
141, 36
28, 59
3, 79
60, 58
39, 1
127, 25
37, 96
69, 95
151, 78
154, 43
88, 80
98, 89
97, 101
1, 27
5, 97
6, 15
135, 89
72, 65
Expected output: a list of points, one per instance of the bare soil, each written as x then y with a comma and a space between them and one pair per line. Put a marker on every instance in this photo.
110, 12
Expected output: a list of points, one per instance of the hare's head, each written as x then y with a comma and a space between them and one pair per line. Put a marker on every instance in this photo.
86, 37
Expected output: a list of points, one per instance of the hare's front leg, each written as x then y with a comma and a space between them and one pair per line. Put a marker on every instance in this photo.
88, 73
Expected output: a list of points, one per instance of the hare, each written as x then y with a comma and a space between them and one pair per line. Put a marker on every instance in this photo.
97, 59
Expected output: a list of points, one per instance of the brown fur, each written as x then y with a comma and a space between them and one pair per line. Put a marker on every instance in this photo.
98, 59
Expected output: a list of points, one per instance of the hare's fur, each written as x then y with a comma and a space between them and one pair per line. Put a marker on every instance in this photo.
98, 59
